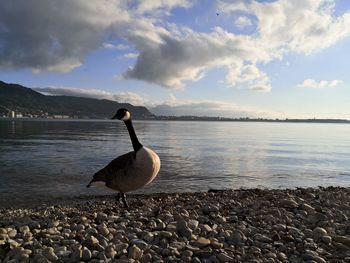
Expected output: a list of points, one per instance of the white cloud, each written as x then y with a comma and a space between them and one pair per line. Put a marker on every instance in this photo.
248, 76
313, 84
130, 55
211, 108
122, 97
164, 5
242, 21
301, 26
114, 47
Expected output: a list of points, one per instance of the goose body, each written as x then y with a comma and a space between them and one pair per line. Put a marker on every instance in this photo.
129, 171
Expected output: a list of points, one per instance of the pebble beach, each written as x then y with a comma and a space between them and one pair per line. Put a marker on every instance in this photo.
254, 225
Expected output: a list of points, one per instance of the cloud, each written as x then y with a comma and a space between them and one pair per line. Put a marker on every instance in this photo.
301, 26
211, 108
185, 55
114, 47
313, 84
130, 55
242, 21
145, 6
122, 97
248, 76
171, 106
44, 35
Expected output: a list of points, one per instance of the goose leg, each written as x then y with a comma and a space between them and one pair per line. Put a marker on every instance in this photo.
117, 198
124, 200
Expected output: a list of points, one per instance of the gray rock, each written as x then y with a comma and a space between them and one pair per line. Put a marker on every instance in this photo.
262, 238
146, 258
223, 257
326, 239
86, 254
343, 240
319, 232
193, 224
135, 253
183, 229
288, 203
202, 242
165, 234
49, 254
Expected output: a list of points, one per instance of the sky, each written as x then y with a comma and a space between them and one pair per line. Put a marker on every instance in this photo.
238, 58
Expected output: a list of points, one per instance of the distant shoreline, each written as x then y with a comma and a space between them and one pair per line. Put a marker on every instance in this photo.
192, 118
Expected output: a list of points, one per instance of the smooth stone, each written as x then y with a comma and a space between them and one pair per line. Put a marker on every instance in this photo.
135, 253
149, 237
86, 254
12, 233
288, 203
165, 234
103, 231
319, 232
202, 242
183, 229
327, 240
193, 224
342, 239
262, 238
24, 229
146, 258
223, 257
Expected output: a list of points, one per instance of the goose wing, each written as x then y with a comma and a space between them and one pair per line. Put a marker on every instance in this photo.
122, 161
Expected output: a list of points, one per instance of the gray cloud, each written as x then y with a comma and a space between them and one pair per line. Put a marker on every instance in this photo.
49, 35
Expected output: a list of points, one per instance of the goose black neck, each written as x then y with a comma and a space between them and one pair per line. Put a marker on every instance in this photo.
135, 142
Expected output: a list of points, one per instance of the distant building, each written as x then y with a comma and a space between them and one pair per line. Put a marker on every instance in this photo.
60, 116
19, 115
12, 114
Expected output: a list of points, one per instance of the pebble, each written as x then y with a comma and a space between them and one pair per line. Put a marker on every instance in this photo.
202, 242
319, 232
135, 253
225, 258
309, 225
183, 229
86, 254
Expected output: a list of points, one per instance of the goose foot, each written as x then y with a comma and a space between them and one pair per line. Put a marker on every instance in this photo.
123, 197
124, 200
117, 198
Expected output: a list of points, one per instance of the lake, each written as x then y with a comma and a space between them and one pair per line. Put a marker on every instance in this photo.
44, 160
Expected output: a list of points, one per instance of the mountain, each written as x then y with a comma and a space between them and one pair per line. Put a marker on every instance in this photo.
14, 97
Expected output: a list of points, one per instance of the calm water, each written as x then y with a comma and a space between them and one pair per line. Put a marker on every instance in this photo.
44, 160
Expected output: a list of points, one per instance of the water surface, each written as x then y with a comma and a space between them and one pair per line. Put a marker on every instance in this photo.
43, 160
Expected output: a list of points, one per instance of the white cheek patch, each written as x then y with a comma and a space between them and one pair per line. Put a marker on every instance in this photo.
127, 116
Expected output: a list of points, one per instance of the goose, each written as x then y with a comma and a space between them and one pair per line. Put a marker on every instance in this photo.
129, 171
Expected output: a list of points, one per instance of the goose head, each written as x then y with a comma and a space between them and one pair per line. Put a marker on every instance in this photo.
122, 114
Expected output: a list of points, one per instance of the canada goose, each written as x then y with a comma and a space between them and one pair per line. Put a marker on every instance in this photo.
129, 171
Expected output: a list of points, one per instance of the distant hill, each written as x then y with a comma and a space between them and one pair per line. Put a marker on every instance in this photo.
14, 97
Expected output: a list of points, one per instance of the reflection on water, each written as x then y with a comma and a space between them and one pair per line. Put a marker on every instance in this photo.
41, 160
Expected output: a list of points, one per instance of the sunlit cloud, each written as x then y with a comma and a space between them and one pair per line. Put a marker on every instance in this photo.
166, 54
114, 47
313, 84
242, 21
